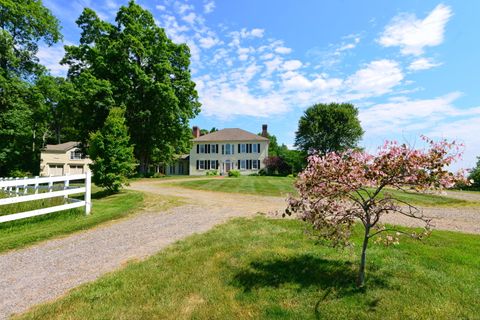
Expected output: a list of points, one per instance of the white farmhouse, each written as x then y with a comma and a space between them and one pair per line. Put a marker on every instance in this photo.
63, 159
228, 149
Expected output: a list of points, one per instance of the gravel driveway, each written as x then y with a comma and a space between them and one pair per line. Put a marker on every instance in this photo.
48, 270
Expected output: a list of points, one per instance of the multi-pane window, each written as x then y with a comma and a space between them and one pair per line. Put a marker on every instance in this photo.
229, 149
243, 164
76, 155
254, 148
213, 164
213, 148
201, 165
243, 148
255, 164
202, 148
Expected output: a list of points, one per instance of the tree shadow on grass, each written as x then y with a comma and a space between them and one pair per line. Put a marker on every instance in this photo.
335, 279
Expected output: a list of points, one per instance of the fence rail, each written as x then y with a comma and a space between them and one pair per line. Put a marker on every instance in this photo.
17, 191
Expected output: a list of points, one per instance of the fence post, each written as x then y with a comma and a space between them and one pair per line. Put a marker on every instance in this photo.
17, 189
25, 187
88, 192
36, 184
66, 184
50, 185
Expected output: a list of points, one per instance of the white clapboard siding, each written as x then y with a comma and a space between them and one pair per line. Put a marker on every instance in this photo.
17, 191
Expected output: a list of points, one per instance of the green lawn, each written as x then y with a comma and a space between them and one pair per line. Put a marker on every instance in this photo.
265, 186
281, 186
269, 269
19, 233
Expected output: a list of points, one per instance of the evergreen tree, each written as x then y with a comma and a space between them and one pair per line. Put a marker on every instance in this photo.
111, 152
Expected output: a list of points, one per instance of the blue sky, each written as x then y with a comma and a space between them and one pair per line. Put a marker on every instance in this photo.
411, 67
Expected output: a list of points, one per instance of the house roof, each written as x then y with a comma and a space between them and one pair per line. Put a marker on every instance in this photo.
230, 134
62, 147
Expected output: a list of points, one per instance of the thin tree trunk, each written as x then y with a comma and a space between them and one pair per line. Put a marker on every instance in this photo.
361, 271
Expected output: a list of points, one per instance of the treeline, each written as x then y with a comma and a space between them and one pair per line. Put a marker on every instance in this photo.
130, 64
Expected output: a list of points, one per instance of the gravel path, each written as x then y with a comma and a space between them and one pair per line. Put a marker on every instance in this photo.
48, 270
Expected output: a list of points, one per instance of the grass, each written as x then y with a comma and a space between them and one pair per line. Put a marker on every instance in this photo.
20, 233
269, 269
281, 186
265, 186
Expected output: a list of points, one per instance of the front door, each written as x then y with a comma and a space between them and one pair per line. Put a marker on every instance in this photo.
228, 165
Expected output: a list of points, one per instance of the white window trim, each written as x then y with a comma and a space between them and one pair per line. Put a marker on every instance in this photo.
243, 165
254, 165
201, 163
202, 148
243, 148
254, 148
213, 164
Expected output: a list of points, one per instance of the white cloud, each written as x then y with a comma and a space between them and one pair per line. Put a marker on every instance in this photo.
160, 7
283, 50
273, 65
208, 7
182, 8
412, 35
376, 78
190, 18
208, 42
292, 64
258, 33
50, 57
461, 131
401, 112
423, 64
265, 84
226, 102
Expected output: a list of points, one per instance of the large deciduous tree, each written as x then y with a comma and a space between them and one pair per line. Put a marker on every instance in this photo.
328, 127
146, 72
338, 189
23, 23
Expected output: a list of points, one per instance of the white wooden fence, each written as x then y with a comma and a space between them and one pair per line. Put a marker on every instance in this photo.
20, 190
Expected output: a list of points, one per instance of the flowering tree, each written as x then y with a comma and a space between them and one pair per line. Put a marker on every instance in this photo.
338, 189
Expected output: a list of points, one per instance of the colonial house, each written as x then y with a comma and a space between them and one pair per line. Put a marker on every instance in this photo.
228, 149
63, 159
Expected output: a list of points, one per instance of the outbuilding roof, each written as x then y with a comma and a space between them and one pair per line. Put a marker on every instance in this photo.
230, 134
62, 147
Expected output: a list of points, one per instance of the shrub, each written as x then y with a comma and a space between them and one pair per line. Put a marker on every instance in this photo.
212, 173
234, 173
19, 173
158, 175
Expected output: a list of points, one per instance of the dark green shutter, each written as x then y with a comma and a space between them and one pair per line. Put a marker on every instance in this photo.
198, 148
258, 148
197, 161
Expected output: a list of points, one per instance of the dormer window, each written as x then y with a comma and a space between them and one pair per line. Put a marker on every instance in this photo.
76, 155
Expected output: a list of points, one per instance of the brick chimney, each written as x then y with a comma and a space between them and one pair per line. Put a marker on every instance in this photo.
196, 131
264, 131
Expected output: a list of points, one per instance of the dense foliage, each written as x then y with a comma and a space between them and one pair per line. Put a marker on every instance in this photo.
281, 160
133, 63
111, 152
338, 189
328, 127
23, 120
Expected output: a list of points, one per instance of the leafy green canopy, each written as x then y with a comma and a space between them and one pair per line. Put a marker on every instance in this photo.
144, 71
23, 23
329, 127
111, 152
